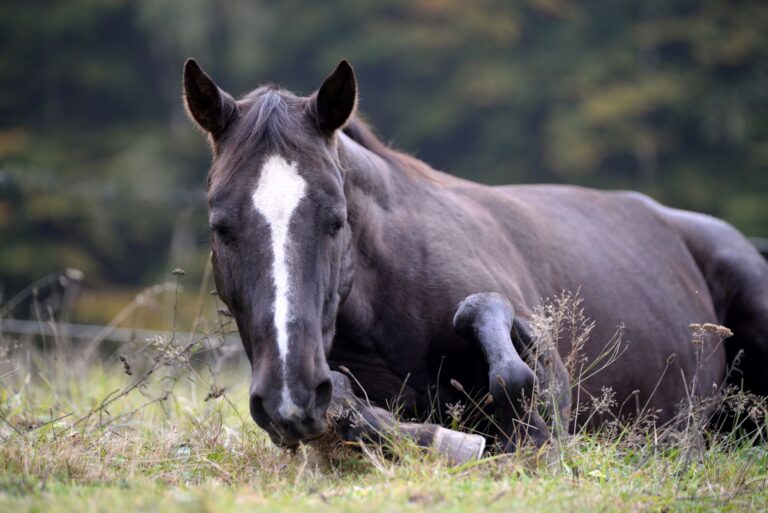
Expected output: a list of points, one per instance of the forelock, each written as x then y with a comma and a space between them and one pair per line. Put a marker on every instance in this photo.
271, 121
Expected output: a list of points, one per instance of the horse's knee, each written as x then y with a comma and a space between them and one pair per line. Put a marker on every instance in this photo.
342, 395
485, 310
487, 319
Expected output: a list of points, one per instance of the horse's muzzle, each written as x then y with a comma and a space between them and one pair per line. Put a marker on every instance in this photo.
294, 423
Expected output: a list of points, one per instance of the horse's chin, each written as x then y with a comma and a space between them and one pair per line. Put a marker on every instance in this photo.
290, 442
282, 443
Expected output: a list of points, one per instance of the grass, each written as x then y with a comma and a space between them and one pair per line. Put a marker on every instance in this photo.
162, 425
188, 454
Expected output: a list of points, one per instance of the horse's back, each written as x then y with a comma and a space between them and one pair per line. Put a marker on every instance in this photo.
608, 241
614, 247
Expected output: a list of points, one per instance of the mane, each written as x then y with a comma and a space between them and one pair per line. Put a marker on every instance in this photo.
362, 133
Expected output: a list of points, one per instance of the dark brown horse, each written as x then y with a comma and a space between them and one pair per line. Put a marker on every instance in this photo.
334, 251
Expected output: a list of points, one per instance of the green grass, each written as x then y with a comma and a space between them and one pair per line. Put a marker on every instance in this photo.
166, 428
188, 454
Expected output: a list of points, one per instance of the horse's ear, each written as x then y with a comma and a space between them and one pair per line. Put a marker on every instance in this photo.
207, 105
336, 99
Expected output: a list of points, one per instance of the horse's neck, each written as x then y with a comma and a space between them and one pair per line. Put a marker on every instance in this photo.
387, 183
370, 179
378, 192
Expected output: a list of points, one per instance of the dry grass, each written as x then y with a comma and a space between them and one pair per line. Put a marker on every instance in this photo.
162, 424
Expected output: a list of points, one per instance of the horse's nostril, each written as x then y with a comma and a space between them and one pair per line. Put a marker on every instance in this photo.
257, 408
323, 393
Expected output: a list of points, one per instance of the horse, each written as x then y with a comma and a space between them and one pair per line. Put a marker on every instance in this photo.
359, 277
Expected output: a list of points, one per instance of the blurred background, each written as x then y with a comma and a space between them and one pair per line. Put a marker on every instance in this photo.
100, 170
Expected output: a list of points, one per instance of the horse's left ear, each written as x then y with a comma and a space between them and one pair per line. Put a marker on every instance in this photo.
210, 107
336, 99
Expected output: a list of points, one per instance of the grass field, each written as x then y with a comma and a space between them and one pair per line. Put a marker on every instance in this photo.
163, 425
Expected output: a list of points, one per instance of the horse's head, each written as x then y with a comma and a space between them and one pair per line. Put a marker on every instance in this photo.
279, 236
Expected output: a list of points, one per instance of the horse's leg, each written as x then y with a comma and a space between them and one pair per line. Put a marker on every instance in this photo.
745, 277
358, 421
553, 381
737, 278
487, 319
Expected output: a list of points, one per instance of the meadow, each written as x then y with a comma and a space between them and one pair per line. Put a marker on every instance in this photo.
161, 424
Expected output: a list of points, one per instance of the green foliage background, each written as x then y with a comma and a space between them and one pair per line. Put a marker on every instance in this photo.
100, 170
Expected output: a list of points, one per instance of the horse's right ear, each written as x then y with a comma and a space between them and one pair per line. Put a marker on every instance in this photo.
207, 105
336, 99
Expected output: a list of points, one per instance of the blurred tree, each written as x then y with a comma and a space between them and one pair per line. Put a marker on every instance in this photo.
99, 168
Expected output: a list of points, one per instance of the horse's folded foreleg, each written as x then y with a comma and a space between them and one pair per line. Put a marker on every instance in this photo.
487, 319
358, 421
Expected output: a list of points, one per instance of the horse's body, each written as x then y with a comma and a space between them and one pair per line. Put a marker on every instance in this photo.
433, 239
417, 242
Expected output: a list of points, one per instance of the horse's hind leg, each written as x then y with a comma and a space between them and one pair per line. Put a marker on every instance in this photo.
743, 283
746, 284
487, 319
358, 421
737, 277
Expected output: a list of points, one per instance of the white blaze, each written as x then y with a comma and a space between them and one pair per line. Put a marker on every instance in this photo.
276, 197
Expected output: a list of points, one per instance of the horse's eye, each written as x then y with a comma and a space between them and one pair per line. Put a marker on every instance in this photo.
335, 227
223, 234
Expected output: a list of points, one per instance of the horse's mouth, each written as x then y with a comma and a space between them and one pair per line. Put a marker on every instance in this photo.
292, 439
294, 445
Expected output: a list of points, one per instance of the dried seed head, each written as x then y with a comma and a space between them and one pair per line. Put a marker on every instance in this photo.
701, 333
215, 392
455, 411
126, 365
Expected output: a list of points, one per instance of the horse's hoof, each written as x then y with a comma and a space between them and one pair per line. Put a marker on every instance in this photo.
458, 448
